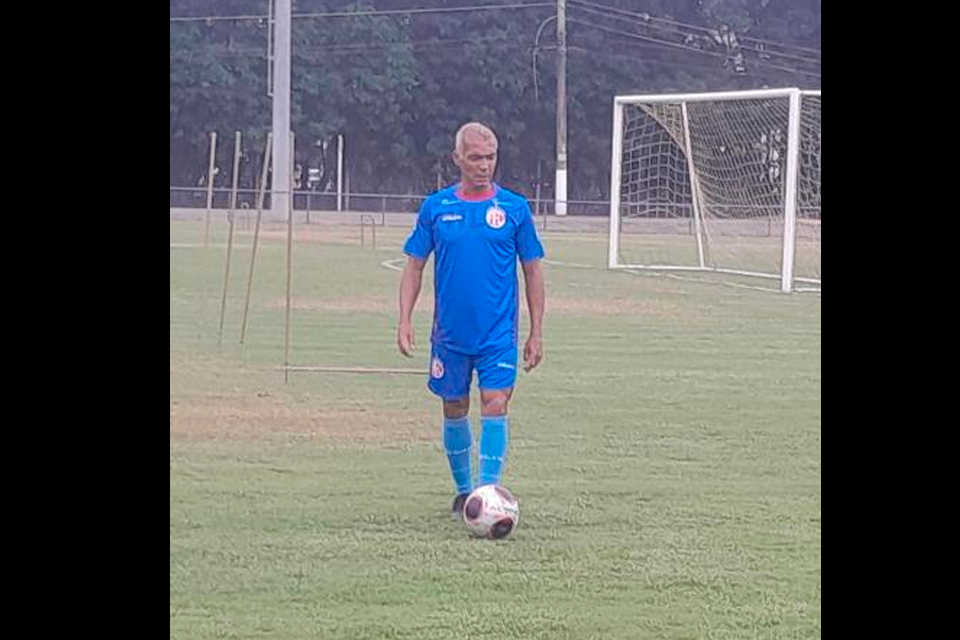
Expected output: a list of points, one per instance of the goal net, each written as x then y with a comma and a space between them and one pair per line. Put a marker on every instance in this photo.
726, 182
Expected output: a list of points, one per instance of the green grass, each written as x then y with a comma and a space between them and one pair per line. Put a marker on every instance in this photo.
666, 456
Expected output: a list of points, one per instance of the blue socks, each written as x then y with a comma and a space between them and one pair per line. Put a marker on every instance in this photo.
458, 443
493, 448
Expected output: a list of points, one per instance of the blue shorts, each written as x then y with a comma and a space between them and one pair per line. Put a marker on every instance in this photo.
451, 373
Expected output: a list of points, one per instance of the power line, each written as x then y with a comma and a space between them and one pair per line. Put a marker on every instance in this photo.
679, 28
387, 12
674, 45
347, 48
590, 7
217, 18
372, 12
636, 36
687, 35
643, 61
646, 17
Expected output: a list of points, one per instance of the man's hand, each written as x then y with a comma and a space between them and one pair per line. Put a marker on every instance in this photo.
533, 349
532, 352
406, 341
410, 281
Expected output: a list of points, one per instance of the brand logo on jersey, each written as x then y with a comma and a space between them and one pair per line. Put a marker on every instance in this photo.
496, 218
449, 201
450, 217
436, 368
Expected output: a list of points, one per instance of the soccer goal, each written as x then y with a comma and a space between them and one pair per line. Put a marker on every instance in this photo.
726, 182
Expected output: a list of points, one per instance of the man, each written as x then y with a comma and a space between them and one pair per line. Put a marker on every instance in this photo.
476, 230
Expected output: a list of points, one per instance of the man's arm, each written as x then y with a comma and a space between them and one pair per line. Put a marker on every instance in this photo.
410, 282
533, 349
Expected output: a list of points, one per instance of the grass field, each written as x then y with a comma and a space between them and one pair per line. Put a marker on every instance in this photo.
666, 456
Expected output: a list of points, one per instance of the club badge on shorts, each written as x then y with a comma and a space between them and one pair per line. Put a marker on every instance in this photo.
496, 217
436, 368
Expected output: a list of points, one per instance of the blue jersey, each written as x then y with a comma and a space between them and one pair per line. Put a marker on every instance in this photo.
476, 245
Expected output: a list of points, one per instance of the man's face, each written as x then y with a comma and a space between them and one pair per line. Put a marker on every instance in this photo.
477, 160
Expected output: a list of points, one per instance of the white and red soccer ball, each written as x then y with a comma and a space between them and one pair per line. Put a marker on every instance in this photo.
491, 511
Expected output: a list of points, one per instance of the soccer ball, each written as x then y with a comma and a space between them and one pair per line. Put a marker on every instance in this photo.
491, 512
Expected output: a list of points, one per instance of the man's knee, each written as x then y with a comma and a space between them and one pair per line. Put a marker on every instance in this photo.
455, 409
494, 403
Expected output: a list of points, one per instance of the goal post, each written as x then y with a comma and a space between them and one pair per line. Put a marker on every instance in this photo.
726, 182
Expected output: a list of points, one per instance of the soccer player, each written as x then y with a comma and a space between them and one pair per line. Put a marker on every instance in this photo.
476, 230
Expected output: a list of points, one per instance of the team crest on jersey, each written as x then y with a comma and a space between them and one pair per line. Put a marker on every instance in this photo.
436, 368
496, 217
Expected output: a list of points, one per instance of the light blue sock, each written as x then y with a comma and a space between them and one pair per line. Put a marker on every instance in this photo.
458, 443
493, 448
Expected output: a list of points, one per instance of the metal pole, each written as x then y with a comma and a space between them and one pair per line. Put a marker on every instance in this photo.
790, 194
694, 185
256, 231
210, 175
340, 172
322, 369
230, 216
286, 337
281, 108
537, 208
270, 48
561, 181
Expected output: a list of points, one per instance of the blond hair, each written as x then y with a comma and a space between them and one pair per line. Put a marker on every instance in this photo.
474, 128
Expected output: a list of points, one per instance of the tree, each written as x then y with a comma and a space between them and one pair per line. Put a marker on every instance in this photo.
398, 85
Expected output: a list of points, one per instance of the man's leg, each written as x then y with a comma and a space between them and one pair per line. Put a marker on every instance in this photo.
450, 376
494, 434
458, 443
497, 373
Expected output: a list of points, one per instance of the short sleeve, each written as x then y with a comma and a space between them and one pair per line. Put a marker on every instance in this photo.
528, 244
420, 242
